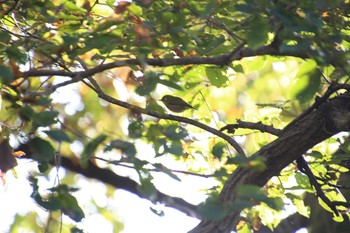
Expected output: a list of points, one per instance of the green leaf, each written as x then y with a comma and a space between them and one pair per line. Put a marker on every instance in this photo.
4, 37
216, 76
147, 188
41, 150
70, 207
70, 40
73, 8
149, 83
6, 75
275, 203
50, 203
58, 135
251, 192
301, 208
258, 34
91, 146
166, 170
212, 209
218, 149
45, 118
302, 180
246, 8
308, 82
135, 10
16, 54
26, 113
170, 84
316, 154
175, 132
136, 129
127, 148
43, 167
256, 162
238, 68
175, 148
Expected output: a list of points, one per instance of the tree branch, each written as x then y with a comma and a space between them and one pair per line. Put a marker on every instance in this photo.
328, 119
251, 125
108, 177
200, 125
304, 168
237, 53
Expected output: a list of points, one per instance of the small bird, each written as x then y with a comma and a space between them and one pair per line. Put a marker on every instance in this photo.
175, 104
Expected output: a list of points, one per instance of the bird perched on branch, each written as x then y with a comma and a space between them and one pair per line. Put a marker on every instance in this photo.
175, 104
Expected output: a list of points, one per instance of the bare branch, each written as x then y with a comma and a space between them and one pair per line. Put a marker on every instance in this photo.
122, 164
304, 168
251, 125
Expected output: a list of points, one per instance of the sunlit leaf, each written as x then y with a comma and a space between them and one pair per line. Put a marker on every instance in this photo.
175, 132
72, 7
135, 10
216, 76
308, 82
302, 180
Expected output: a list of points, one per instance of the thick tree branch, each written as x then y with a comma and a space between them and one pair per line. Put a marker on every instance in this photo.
328, 119
108, 177
236, 54
252, 125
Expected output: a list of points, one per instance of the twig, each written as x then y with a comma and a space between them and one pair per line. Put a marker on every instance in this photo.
122, 164
325, 182
11, 8
224, 27
304, 168
251, 125
205, 127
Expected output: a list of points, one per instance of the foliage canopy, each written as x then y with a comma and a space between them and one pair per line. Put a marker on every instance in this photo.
269, 80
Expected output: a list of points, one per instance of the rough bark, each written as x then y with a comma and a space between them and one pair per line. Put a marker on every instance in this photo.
299, 136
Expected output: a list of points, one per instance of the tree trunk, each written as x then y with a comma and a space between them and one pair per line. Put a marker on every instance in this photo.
299, 136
